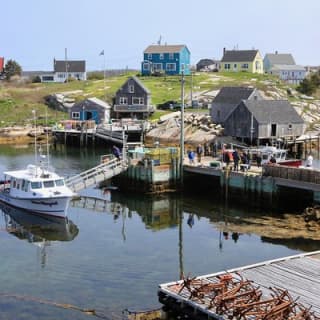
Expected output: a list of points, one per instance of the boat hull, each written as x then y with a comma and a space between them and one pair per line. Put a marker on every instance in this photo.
291, 163
55, 206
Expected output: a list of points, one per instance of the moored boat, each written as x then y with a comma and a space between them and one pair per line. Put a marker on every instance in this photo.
279, 156
36, 189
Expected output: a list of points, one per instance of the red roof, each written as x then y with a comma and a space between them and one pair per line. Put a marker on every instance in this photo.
1, 64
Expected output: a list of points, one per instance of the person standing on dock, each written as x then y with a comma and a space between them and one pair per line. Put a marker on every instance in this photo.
259, 160
116, 152
226, 158
191, 156
199, 152
309, 160
236, 158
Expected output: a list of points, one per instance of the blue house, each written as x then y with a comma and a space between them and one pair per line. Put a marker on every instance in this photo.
166, 59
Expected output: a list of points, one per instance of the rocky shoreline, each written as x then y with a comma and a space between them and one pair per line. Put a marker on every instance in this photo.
20, 134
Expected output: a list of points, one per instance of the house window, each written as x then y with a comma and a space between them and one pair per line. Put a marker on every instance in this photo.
123, 100
245, 66
161, 56
47, 78
146, 66
235, 66
171, 67
131, 88
227, 66
171, 56
157, 66
137, 100
289, 126
61, 75
150, 56
75, 115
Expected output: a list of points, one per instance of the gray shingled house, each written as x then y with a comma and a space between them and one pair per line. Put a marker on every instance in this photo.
272, 59
228, 99
262, 120
133, 100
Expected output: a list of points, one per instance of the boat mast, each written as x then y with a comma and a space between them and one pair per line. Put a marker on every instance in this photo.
47, 138
35, 138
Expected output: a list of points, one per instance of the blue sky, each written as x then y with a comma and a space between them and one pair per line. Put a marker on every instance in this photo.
34, 32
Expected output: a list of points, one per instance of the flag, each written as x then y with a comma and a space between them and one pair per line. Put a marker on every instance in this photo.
101, 53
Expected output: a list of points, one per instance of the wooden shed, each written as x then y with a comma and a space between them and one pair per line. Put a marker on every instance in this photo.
260, 120
91, 109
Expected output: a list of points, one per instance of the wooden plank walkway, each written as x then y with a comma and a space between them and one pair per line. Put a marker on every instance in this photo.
95, 175
299, 275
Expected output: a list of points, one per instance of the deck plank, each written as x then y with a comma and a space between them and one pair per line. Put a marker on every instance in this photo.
300, 275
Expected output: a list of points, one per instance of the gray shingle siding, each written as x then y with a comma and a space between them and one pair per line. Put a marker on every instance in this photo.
261, 115
228, 99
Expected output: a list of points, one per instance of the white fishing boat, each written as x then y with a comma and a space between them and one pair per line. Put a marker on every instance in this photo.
279, 155
36, 188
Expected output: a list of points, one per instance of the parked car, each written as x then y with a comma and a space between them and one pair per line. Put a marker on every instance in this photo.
169, 105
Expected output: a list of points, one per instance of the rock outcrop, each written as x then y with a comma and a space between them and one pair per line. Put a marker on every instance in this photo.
198, 128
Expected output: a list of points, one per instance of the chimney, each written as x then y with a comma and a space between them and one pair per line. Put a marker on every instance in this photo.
224, 51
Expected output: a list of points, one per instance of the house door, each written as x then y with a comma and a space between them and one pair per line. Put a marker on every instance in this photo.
87, 115
273, 130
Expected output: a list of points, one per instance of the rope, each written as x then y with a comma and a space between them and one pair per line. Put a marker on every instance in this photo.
89, 312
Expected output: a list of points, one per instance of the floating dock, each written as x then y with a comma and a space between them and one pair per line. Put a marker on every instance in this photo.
286, 288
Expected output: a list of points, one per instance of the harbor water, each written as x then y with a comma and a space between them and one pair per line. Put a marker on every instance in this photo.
116, 248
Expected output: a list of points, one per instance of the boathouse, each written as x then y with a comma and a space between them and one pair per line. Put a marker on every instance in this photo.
91, 109
228, 99
264, 120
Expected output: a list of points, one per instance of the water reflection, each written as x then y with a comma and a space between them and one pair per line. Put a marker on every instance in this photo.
36, 229
231, 222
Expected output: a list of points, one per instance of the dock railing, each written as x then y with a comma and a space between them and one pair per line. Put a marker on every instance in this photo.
109, 168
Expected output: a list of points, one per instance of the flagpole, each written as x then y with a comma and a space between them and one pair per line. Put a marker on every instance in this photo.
104, 75
104, 70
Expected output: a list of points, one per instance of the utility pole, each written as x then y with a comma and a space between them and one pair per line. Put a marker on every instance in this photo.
66, 63
182, 128
251, 129
191, 90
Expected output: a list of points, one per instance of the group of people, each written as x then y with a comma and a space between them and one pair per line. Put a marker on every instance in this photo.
192, 154
238, 158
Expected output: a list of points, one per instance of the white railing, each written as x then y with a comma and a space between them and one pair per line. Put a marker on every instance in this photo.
97, 174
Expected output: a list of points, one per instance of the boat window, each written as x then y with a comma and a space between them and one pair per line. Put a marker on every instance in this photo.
265, 157
48, 184
36, 185
24, 185
59, 183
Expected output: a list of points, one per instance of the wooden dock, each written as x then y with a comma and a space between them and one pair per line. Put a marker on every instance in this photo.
297, 278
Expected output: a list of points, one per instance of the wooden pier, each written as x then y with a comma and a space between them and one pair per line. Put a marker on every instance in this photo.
295, 280
267, 183
108, 168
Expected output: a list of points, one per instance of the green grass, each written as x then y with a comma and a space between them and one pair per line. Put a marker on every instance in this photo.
18, 100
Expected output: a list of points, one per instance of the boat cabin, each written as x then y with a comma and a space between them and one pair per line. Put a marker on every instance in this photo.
267, 153
34, 179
